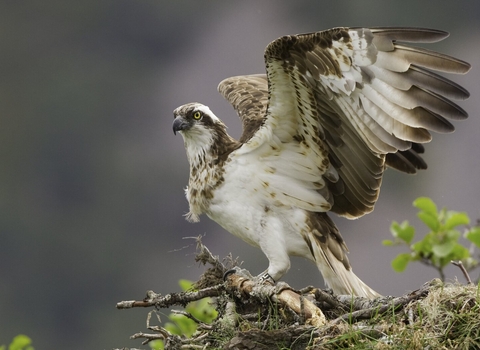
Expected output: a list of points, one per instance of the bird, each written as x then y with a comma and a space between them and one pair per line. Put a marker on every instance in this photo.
332, 112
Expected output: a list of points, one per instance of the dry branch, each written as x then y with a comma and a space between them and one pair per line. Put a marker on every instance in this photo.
163, 302
462, 268
248, 309
380, 308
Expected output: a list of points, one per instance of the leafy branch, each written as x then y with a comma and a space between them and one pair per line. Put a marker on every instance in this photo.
441, 245
185, 323
19, 342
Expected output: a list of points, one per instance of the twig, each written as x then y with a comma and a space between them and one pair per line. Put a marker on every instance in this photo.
205, 256
305, 290
182, 298
148, 337
410, 316
463, 269
396, 304
328, 301
188, 315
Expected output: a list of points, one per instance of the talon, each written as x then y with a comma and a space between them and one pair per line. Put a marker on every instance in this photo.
228, 273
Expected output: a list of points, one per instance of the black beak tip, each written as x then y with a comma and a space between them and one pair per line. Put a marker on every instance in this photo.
178, 125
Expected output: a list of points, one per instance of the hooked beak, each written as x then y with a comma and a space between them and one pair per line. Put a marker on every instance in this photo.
179, 124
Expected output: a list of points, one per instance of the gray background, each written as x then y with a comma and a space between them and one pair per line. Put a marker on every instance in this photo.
92, 177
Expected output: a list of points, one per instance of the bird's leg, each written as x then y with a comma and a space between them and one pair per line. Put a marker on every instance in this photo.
278, 266
264, 277
272, 243
271, 239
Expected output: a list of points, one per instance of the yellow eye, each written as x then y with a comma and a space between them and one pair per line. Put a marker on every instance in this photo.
197, 115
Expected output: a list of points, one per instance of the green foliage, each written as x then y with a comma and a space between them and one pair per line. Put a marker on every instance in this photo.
202, 310
439, 246
19, 342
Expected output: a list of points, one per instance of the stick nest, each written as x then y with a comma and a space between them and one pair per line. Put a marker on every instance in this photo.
256, 315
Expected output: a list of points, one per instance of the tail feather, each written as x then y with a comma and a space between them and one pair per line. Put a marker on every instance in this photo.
341, 279
330, 254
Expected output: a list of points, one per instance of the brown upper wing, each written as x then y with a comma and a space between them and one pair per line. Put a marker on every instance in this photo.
358, 94
248, 94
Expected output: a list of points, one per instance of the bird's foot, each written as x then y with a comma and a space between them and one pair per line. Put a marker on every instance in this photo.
237, 271
263, 278
228, 273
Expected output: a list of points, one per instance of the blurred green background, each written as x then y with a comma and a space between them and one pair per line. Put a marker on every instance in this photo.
92, 177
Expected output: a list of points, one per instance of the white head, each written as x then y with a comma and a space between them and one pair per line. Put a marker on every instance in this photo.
199, 128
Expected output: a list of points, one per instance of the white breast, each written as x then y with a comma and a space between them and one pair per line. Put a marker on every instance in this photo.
245, 205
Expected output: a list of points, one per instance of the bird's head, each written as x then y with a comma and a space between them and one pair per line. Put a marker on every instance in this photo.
199, 127
194, 119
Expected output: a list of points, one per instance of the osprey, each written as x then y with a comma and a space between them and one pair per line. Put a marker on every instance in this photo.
334, 110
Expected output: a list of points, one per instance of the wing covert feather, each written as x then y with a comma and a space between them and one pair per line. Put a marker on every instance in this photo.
248, 94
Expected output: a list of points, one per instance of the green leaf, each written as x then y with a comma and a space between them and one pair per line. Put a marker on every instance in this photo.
407, 232
386, 242
203, 310
473, 235
422, 246
443, 249
155, 345
430, 220
172, 328
454, 219
185, 284
453, 235
20, 342
185, 325
404, 231
394, 227
460, 252
400, 263
427, 205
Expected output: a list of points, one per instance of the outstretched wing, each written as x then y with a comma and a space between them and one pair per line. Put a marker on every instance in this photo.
248, 95
343, 104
